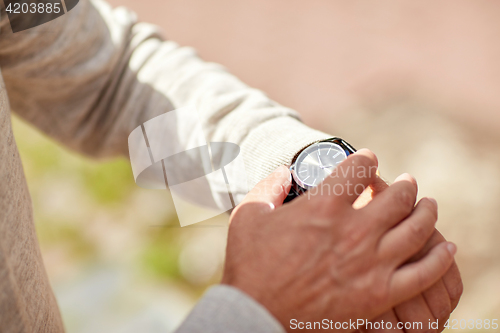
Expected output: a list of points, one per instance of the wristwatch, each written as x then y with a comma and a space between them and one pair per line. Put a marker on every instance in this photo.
313, 163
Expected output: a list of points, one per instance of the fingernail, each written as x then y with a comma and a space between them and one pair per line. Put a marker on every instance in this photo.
452, 248
362, 150
404, 176
433, 201
281, 171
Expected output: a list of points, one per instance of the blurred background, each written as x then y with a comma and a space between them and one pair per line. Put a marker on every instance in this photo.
418, 82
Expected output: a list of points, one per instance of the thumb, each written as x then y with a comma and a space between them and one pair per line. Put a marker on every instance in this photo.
271, 190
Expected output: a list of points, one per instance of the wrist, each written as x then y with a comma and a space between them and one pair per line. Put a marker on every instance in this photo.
274, 143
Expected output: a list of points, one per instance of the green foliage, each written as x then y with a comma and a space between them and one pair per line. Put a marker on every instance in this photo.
76, 198
160, 256
107, 181
110, 182
68, 237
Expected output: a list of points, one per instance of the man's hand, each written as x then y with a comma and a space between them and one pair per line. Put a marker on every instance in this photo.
318, 257
435, 303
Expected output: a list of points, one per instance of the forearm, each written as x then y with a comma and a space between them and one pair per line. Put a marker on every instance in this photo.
91, 76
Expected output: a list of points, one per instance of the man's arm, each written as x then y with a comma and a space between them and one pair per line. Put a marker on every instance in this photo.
91, 76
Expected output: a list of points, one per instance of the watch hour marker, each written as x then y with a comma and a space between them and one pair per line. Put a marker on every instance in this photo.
338, 153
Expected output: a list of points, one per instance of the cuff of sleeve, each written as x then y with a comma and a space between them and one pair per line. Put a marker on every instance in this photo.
274, 143
227, 309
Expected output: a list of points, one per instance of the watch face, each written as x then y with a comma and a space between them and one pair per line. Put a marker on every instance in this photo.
317, 162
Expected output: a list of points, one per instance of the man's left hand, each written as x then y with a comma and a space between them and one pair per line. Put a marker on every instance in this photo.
436, 303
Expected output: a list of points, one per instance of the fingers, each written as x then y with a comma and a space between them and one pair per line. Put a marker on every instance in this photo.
272, 190
387, 317
453, 284
378, 186
434, 303
409, 236
411, 279
416, 313
452, 280
438, 302
393, 204
351, 177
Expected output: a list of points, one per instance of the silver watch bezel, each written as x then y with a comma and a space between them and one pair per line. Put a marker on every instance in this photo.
293, 170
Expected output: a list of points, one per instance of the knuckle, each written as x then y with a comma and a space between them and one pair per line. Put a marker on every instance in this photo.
417, 230
427, 220
368, 160
405, 198
431, 209
445, 258
421, 228
354, 237
422, 279
368, 155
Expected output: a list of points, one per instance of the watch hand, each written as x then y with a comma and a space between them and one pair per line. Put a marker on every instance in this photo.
319, 159
329, 166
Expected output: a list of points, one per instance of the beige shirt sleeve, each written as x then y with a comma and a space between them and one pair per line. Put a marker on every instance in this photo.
229, 310
90, 77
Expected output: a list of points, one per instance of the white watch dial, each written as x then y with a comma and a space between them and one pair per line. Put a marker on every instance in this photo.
317, 162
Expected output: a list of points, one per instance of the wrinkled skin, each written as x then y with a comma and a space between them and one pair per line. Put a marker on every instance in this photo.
321, 257
435, 303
